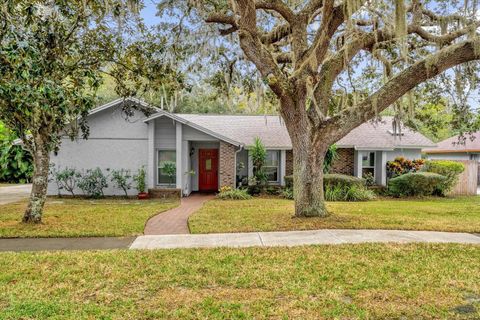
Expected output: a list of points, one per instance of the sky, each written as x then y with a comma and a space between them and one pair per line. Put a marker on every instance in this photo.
148, 13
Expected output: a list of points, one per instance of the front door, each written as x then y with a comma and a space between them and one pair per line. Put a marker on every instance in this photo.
208, 170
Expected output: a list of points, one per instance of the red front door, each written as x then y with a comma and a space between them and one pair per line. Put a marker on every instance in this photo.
208, 170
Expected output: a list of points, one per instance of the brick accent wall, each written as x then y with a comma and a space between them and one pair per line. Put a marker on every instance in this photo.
289, 162
344, 162
226, 165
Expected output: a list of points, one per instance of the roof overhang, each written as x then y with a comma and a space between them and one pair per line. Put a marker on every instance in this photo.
452, 151
163, 113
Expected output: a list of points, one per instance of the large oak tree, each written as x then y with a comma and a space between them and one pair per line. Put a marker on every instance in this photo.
306, 50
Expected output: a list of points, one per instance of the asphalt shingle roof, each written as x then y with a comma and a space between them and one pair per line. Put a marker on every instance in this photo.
470, 144
273, 133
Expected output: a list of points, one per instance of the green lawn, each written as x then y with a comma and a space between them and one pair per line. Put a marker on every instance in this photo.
82, 218
268, 214
343, 282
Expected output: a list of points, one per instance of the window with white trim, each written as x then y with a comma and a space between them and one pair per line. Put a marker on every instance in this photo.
368, 163
272, 165
166, 159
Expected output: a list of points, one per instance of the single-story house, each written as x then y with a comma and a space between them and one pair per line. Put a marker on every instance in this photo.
455, 149
211, 151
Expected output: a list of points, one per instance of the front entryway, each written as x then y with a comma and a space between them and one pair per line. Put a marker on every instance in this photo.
208, 170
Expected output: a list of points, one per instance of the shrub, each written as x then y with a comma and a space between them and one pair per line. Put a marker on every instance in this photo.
287, 193
66, 179
334, 179
121, 179
449, 169
352, 192
93, 182
227, 193
369, 179
139, 179
402, 165
415, 184
288, 182
330, 156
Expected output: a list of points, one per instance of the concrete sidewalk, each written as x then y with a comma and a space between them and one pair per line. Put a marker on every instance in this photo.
298, 238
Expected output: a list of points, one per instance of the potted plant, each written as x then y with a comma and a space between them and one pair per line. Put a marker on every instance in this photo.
140, 180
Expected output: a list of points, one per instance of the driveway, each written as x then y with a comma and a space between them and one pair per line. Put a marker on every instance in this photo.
14, 193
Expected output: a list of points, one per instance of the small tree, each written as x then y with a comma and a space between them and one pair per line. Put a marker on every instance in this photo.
121, 179
93, 182
259, 157
140, 180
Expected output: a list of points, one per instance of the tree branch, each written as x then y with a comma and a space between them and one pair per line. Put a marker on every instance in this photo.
399, 85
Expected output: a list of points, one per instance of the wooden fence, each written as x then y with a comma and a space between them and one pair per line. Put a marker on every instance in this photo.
468, 180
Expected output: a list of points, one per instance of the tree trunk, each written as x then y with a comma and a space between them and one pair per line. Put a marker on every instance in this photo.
38, 195
309, 148
308, 180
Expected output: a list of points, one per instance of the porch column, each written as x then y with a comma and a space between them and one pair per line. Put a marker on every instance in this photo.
357, 165
250, 165
179, 154
151, 155
381, 168
283, 166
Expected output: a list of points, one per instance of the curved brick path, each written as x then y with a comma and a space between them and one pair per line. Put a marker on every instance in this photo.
175, 221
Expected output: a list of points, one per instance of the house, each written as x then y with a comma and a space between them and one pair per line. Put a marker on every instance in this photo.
210, 151
455, 148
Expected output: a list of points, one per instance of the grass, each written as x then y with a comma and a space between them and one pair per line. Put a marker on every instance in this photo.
265, 214
382, 281
82, 218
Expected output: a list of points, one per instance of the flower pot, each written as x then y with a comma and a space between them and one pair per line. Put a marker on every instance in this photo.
143, 195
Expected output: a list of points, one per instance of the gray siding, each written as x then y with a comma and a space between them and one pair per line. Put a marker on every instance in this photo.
406, 153
450, 156
114, 143
165, 133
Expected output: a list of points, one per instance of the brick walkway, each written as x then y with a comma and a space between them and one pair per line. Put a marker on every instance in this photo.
175, 221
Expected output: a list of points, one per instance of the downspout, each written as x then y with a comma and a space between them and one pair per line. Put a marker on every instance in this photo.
235, 164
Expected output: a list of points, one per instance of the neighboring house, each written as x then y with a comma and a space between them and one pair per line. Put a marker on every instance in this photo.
458, 149
211, 151
455, 149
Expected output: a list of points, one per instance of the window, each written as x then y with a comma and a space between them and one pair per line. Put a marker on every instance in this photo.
368, 163
272, 165
166, 165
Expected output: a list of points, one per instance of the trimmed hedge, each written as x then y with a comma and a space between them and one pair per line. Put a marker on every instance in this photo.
332, 179
336, 179
449, 169
416, 184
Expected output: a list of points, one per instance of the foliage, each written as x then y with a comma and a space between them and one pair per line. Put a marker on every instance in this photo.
65, 179
352, 192
288, 182
92, 182
335, 179
449, 169
121, 179
415, 184
401, 165
140, 179
369, 179
170, 169
228, 193
15, 162
287, 193
258, 153
330, 157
